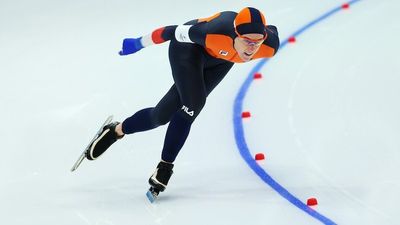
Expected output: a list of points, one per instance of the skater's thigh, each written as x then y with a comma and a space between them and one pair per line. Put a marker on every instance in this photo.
214, 75
187, 63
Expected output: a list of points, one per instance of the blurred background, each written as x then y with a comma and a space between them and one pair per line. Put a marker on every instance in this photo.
325, 114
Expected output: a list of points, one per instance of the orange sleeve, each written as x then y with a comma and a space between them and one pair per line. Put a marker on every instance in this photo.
208, 19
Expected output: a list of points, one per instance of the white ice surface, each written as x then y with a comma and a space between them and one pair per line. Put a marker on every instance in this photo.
326, 114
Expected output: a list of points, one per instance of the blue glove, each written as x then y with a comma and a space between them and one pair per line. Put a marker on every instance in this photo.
130, 46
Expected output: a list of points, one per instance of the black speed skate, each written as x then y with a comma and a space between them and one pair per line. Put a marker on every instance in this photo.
105, 139
159, 180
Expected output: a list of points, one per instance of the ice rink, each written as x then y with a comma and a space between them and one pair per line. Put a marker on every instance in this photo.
325, 114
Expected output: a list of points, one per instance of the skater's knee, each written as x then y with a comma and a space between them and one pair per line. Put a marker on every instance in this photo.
190, 112
160, 118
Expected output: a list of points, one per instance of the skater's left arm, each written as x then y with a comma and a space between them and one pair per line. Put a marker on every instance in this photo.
182, 33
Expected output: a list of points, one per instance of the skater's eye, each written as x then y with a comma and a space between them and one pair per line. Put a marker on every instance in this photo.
249, 42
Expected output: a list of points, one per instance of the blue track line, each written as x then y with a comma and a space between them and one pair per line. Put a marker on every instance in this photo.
239, 132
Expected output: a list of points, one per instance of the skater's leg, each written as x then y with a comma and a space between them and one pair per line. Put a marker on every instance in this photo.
214, 75
177, 133
145, 119
151, 118
193, 87
187, 64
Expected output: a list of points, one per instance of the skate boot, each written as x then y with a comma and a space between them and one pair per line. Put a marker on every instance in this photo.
159, 179
106, 138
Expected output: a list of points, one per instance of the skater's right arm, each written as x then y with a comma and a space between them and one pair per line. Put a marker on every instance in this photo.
183, 33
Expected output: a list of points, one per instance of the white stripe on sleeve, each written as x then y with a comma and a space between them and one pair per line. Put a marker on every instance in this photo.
182, 33
147, 40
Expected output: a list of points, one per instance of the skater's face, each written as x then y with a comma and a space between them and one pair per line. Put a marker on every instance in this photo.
247, 45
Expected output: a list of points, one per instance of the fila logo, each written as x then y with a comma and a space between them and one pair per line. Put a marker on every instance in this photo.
186, 109
224, 53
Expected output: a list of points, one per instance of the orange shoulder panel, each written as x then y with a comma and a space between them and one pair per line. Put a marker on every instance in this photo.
208, 19
264, 52
221, 46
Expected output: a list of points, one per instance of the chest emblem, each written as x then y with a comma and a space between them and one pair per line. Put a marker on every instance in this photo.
223, 53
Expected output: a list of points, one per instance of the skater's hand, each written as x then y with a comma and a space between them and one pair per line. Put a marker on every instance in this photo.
130, 46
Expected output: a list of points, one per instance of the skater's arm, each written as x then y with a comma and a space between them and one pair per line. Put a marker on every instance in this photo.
182, 33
